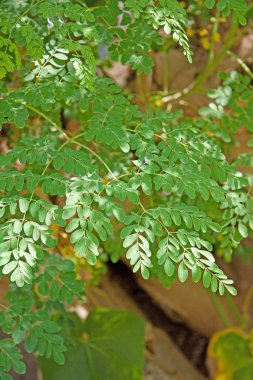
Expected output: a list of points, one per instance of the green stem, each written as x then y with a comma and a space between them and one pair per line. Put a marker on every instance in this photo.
80, 135
214, 31
220, 310
94, 154
69, 139
143, 208
33, 192
45, 117
241, 63
23, 14
211, 66
216, 61
117, 178
165, 72
234, 309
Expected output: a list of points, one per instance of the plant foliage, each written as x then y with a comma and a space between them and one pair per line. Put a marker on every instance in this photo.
147, 178
113, 333
231, 351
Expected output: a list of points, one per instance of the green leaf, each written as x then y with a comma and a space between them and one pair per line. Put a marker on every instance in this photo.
144, 272
11, 357
23, 205
51, 327
196, 273
55, 290
116, 333
231, 290
73, 224
230, 351
129, 240
209, 3
68, 212
206, 279
91, 258
221, 288
19, 367
31, 342
169, 267
17, 226
182, 272
18, 335
243, 230
133, 197
8, 268
214, 284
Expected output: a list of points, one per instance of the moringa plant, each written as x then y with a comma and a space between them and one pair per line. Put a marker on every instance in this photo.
152, 186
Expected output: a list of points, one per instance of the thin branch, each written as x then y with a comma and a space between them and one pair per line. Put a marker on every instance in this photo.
208, 70
45, 117
94, 154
